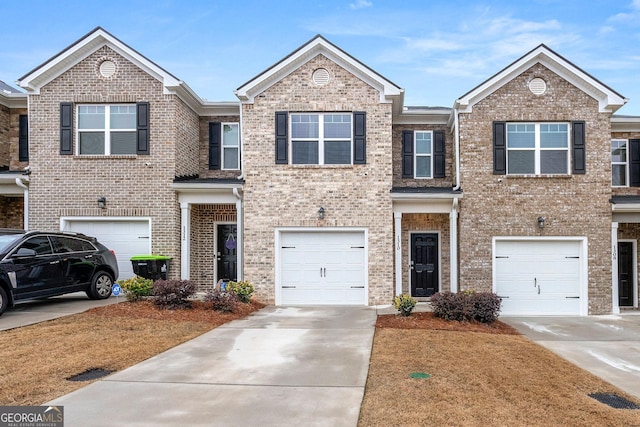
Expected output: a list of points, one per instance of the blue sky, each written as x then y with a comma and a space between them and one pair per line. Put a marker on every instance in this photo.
435, 50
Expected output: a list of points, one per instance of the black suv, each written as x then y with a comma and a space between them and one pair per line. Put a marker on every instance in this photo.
38, 264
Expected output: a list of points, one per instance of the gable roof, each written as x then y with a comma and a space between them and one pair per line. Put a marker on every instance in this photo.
35, 79
314, 47
609, 100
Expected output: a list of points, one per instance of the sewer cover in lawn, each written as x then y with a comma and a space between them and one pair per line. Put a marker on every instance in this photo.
90, 374
419, 375
613, 400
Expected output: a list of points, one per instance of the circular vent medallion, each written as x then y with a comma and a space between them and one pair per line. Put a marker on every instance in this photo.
321, 77
537, 86
107, 68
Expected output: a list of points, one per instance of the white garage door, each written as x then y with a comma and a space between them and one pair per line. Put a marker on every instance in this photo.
322, 268
126, 238
538, 277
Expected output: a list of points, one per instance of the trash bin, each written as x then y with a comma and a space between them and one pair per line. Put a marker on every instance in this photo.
151, 266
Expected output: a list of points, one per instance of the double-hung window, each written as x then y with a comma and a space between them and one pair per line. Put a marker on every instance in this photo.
423, 151
619, 163
537, 148
321, 138
106, 129
230, 146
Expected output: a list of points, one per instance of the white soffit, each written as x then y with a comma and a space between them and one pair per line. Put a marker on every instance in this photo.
316, 46
609, 100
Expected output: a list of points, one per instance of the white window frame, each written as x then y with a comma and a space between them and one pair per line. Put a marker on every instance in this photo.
223, 147
416, 155
321, 139
537, 149
625, 163
106, 130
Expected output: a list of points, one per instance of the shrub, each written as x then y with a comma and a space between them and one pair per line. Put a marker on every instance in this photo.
222, 300
466, 306
173, 293
136, 288
243, 290
404, 304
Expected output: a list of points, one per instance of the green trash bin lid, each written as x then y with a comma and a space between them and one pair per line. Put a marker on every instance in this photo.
150, 257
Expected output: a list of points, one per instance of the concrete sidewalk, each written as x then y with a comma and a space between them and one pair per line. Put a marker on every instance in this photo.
607, 346
280, 366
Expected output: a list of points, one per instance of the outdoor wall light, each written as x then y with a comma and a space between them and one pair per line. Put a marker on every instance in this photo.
541, 222
321, 213
102, 202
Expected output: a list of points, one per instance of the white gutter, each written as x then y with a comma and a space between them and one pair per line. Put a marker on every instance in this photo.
22, 185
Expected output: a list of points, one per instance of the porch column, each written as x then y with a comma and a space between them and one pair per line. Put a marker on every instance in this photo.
185, 240
453, 246
397, 221
239, 236
615, 303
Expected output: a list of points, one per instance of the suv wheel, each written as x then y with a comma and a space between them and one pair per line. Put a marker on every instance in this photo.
4, 300
101, 285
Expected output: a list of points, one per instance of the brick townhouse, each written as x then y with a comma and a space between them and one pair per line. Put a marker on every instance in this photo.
320, 186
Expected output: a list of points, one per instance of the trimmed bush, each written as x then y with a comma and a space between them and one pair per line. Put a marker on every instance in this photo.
136, 288
173, 293
243, 290
404, 304
222, 300
466, 306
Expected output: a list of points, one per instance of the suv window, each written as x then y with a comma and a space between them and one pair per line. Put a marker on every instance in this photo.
70, 244
40, 244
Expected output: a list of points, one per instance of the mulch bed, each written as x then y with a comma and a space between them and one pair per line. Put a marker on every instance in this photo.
427, 320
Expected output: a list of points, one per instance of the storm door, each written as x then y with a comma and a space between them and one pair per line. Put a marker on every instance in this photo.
227, 259
424, 264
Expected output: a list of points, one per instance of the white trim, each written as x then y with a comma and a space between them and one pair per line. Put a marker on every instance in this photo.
222, 146
185, 241
453, 246
278, 255
397, 226
615, 302
625, 163
416, 155
584, 261
634, 243
438, 233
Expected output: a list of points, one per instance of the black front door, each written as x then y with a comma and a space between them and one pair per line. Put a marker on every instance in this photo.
625, 274
424, 264
227, 264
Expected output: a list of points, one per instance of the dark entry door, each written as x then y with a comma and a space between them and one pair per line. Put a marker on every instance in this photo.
625, 274
226, 255
424, 264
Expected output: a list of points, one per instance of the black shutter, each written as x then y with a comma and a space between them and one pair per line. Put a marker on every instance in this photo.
66, 128
359, 138
439, 158
143, 128
215, 137
407, 154
578, 147
23, 138
282, 143
634, 162
499, 148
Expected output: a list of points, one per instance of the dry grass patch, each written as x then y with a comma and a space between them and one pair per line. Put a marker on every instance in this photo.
478, 378
37, 360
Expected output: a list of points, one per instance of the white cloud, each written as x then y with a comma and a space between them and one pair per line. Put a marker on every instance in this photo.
360, 4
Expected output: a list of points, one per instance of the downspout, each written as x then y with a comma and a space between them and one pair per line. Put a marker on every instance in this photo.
241, 176
239, 234
456, 123
22, 185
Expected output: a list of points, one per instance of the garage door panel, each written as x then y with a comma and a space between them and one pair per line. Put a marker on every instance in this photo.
322, 268
538, 277
126, 238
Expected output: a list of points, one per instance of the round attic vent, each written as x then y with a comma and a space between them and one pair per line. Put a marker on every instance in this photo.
537, 86
107, 68
321, 77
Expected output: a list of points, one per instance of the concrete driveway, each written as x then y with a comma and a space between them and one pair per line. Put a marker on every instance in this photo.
40, 310
607, 346
281, 366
